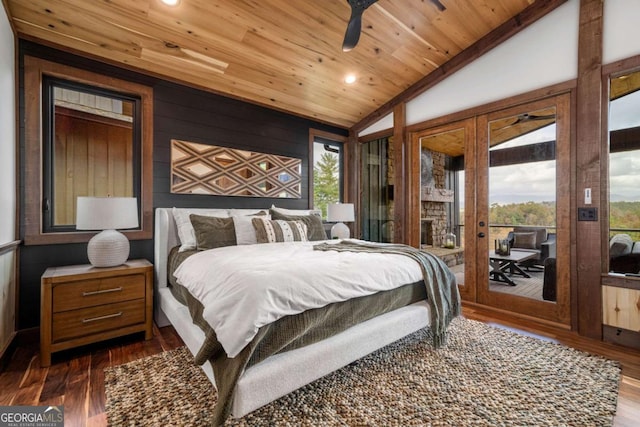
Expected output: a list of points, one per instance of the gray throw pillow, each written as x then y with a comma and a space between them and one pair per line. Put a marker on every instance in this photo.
541, 233
524, 240
212, 232
315, 229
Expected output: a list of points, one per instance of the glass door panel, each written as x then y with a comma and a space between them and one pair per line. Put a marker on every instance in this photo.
441, 158
377, 191
523, 203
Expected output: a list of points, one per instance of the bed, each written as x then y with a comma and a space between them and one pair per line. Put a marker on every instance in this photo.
281, 373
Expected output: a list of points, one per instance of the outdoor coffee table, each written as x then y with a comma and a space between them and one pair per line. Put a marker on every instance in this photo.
503, 264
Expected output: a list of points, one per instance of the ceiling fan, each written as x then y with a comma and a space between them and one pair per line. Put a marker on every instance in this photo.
354, 27
526, 117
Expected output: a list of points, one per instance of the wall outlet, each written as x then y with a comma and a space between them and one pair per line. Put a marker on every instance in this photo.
587, 214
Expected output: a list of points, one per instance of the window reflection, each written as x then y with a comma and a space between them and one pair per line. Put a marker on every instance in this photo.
92, 151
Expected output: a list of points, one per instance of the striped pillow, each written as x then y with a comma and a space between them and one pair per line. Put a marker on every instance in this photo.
271, 231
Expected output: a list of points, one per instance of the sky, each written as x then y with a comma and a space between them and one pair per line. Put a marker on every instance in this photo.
534, 181
624, 168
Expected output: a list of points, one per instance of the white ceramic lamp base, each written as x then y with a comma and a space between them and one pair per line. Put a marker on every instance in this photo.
108, 248
340, 231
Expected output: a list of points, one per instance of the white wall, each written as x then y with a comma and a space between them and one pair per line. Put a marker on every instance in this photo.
7, 181
384, 123
621, 30
7, 131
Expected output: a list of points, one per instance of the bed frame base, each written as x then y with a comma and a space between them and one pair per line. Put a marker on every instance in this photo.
282, 373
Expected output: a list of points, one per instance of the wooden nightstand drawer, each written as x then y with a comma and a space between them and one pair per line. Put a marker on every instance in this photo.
89, 293
87, 321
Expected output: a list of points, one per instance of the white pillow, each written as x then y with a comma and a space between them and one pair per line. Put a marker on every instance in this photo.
185, 229
245, 231
297, 212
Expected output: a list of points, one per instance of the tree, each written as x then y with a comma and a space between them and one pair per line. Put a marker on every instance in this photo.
326, 182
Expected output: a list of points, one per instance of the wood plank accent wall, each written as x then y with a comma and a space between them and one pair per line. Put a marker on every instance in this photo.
184, 113
588, 153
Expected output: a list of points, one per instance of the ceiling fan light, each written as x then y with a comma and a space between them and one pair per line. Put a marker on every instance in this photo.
170, 2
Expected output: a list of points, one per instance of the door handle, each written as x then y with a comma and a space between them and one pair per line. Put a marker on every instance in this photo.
480, 234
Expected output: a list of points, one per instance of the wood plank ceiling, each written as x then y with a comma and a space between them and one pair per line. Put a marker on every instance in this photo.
282, 54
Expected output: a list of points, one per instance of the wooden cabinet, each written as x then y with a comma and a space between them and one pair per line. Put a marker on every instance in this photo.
82, 304
621, 312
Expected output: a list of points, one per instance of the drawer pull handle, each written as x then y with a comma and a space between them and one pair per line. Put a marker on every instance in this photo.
108, 316
102, 291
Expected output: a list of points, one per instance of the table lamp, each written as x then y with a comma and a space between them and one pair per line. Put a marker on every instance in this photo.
340, 213
108, 248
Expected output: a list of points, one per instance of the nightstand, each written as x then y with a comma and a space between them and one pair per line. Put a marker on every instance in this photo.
82, 304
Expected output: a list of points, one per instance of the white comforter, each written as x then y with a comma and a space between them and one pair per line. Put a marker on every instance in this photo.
243, 288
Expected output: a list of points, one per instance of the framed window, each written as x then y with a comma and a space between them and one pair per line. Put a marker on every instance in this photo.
85, 135
328, 172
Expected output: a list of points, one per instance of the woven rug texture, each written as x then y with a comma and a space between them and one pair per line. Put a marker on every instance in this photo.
483, 376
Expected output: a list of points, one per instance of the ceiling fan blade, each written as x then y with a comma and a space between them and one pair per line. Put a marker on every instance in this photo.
354, 27
352, 35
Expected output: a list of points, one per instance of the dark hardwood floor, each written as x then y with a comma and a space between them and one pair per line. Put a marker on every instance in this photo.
76, 377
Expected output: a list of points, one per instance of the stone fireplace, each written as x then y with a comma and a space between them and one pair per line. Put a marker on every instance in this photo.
434, 197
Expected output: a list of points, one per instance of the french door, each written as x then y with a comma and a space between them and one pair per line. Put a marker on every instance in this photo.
522, 185
497, 176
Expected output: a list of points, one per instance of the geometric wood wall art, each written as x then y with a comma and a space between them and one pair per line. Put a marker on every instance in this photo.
209, 169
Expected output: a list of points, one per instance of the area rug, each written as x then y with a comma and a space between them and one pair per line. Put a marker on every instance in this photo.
483, 376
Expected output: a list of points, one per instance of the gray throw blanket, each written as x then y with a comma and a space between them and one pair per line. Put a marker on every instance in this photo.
440, 283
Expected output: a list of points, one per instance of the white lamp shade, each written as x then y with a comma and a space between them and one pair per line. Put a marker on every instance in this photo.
340, 212
110, 247
106, 213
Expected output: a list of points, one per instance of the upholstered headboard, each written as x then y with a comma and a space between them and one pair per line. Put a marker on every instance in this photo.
166, 237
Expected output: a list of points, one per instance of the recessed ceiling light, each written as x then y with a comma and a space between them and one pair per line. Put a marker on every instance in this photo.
170, 2
350, 79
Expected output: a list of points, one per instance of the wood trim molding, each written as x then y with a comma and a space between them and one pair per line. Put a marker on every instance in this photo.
401, 233
589, 141
508, 29
34, 69
622, 66
385, 133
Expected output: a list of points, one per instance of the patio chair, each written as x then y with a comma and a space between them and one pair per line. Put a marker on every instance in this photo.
533, 239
